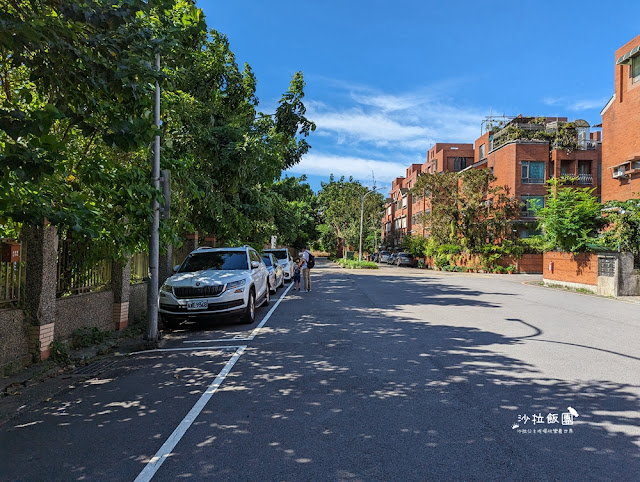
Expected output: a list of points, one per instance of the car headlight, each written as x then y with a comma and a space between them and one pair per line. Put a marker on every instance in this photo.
236, 284
167, 288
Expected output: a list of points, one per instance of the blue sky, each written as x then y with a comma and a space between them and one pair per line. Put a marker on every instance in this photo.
387, 80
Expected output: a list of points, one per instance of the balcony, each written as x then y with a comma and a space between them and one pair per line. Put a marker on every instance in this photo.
585, 179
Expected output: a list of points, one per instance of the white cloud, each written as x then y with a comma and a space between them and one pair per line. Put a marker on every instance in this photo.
360, 128
576, 105
587, 104
359, 168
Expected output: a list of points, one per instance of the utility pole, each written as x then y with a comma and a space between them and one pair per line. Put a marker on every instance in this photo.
362, 219
154, 239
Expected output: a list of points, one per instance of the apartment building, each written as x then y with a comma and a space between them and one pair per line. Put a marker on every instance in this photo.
621, 128
403, 211
524, 152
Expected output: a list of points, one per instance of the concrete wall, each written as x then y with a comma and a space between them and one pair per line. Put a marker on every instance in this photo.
14, 337
137, 301
85, 310
629, 278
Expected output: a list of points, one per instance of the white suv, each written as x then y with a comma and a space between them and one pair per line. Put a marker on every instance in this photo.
215, 281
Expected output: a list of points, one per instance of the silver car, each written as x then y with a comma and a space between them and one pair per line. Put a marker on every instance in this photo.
285, 260
215, 281
276, 273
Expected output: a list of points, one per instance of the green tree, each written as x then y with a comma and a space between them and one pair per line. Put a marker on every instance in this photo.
294, 213
340, 204
623, 226
571, 217
227, 156
467, 208
74, 147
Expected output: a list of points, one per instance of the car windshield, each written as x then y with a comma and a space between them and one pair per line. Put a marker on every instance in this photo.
384, 253
267, 260
219, 260
279, 254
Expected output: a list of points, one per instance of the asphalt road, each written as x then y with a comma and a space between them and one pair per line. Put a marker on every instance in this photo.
394, 374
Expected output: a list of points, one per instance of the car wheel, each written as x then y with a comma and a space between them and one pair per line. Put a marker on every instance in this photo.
270, 290
249, 315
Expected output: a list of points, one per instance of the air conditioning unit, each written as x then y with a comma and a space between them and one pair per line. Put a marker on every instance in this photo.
635, 164
619, 172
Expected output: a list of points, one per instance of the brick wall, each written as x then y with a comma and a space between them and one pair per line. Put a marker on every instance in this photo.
621, 130
566, 267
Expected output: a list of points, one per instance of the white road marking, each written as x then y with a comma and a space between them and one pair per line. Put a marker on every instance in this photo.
158, 459
195, 348
255, 331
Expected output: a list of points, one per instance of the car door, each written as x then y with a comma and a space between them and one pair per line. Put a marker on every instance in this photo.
259, 274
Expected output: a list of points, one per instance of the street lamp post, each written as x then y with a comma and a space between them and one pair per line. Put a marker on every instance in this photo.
362, 219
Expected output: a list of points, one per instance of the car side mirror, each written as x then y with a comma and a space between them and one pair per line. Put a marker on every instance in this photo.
176, 268
254, 264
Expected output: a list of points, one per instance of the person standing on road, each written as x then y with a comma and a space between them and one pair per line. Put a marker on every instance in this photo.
306, 275
296, 275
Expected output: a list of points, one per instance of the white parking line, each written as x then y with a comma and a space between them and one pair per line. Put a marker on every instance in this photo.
195, 348
255, 331
158, 459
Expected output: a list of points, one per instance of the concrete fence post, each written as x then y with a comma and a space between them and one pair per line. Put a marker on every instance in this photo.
40, 290
192, 241
121, 287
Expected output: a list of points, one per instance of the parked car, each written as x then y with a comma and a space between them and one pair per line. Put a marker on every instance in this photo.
392, 258
285, 260
383, 257
276, 273
215, 281
405, 259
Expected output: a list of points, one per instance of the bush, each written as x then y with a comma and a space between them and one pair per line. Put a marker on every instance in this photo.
533, 245
352, 264
86, 337
59, 353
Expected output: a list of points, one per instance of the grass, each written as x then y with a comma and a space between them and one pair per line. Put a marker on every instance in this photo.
566, 288
352, 264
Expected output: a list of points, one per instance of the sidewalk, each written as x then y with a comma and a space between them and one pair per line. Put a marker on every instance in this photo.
40, 382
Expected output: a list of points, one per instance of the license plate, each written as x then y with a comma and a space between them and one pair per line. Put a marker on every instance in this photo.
197, 305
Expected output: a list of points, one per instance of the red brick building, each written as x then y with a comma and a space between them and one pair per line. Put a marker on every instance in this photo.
526, 151
403, 211
621, 128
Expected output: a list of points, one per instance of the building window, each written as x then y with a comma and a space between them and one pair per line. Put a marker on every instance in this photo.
404, 222
389, 210
404, 202
635, 68
584, 173
532, 172
530, 204
459, 163
481, 152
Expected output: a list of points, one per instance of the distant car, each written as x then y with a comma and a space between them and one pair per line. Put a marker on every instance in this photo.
276, 273
392, 258
405, 259
285, 260
215, 281
383, 257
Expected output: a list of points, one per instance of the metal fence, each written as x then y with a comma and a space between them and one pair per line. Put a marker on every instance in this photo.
11, 282
75, 274
139, 267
